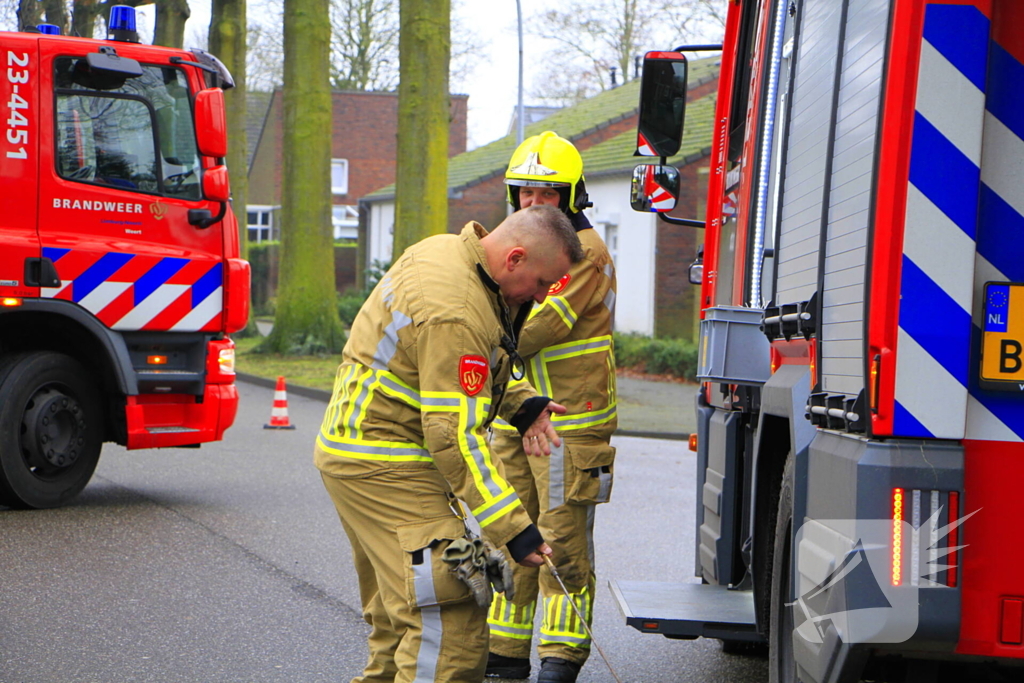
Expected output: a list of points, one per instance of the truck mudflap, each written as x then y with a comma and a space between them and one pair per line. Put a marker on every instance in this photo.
687, 610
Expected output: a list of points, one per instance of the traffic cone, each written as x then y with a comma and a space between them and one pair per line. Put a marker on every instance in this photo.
279, 414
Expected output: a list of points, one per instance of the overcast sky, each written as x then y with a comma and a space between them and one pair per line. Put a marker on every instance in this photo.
492, 83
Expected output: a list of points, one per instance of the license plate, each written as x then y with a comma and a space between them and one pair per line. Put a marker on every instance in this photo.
1002, 341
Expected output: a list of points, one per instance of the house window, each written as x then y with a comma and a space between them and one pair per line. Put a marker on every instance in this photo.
339, 176
345, 219
260, 221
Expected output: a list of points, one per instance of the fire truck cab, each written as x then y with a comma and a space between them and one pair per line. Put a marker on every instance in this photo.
860, 439
120, 273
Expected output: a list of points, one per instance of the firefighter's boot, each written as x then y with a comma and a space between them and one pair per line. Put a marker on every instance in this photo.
507, 667
558, 670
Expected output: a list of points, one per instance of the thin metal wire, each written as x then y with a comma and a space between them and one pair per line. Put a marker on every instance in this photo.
579, 615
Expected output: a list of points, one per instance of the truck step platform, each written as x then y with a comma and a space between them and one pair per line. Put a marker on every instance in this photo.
687, 610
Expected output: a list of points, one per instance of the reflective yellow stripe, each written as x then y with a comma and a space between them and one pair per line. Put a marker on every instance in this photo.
510, 621
583, 420
562, 625
499, 497
577, 348
341, 432
560, 305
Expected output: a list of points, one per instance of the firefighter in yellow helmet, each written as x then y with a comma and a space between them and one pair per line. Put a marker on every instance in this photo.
567, 346
403, 440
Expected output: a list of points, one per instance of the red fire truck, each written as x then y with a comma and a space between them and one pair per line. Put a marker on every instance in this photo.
119, 270
860, 440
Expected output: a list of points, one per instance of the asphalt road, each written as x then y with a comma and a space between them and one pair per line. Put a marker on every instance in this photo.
228, 564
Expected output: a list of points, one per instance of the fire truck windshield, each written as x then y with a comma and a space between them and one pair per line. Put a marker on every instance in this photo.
132, 133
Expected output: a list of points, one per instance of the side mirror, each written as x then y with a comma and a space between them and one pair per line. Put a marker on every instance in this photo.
211, 123
215, 184
695, 273
662, 105
654, 188
108, 61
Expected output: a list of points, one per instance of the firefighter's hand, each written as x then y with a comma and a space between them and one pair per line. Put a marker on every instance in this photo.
534, 559
538, 438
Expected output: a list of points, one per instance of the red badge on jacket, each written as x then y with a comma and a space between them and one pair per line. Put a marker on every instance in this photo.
560, 285
472, 374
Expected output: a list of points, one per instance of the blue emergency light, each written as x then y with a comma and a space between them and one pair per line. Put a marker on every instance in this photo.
48, 29
122, 24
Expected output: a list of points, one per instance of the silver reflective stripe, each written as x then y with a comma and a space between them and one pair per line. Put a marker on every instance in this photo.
364, 395
540, 383
412, 397
386, 293
609, 301
476, 449
565, 421
563, 305
605, 490
567, 350
483, 514
365, 449
556, 476
436, 402
387, 346
430, 619
568, 640
506, 631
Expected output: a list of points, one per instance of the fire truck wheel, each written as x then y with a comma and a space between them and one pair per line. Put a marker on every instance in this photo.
51, 429
781, 665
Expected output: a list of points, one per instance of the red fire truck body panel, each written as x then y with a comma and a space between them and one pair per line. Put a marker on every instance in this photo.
861, 412
116, 255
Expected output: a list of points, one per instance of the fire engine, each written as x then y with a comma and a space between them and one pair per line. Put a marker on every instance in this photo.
119, 270
861, 408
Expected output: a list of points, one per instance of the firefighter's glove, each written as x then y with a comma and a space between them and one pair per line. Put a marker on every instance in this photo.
481, 566
499, 571
468, 563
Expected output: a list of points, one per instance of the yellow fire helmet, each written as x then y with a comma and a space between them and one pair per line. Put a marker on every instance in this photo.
547, 160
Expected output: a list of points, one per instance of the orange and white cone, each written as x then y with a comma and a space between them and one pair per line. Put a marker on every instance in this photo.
279, 414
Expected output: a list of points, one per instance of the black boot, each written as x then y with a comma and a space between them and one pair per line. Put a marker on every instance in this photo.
558, 670
507, 667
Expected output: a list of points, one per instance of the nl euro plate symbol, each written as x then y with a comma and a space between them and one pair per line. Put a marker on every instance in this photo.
1002, 344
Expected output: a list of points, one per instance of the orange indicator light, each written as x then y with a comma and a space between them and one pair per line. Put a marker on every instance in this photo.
156, 360
10, 301
897, 537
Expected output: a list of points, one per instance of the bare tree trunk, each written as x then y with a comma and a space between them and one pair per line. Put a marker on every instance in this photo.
307, 312
171, 16
421, 187
30, 13
83, 18
56, 14
228, 42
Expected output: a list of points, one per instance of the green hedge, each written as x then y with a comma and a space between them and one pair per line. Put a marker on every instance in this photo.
676, 357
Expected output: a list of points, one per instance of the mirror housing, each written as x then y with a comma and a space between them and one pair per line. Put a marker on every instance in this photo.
695, 273
662, 105
655, 188
215, 184
211, 124
108, 61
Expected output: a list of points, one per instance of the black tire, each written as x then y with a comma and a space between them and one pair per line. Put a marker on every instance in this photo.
51, 429
781, 664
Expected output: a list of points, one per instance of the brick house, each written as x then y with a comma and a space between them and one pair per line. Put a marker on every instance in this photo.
651, 256
363, 152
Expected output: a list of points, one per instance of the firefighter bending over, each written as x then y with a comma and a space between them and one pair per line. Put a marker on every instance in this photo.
422, 375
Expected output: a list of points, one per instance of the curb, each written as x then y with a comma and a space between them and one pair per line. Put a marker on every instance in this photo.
325, 396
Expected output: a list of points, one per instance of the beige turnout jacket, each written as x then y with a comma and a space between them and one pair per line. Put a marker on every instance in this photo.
422, 376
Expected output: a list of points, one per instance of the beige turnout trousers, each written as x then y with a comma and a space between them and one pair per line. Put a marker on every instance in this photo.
426, 627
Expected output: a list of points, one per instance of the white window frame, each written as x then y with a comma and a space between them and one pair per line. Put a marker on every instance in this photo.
342, 187
260, 209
